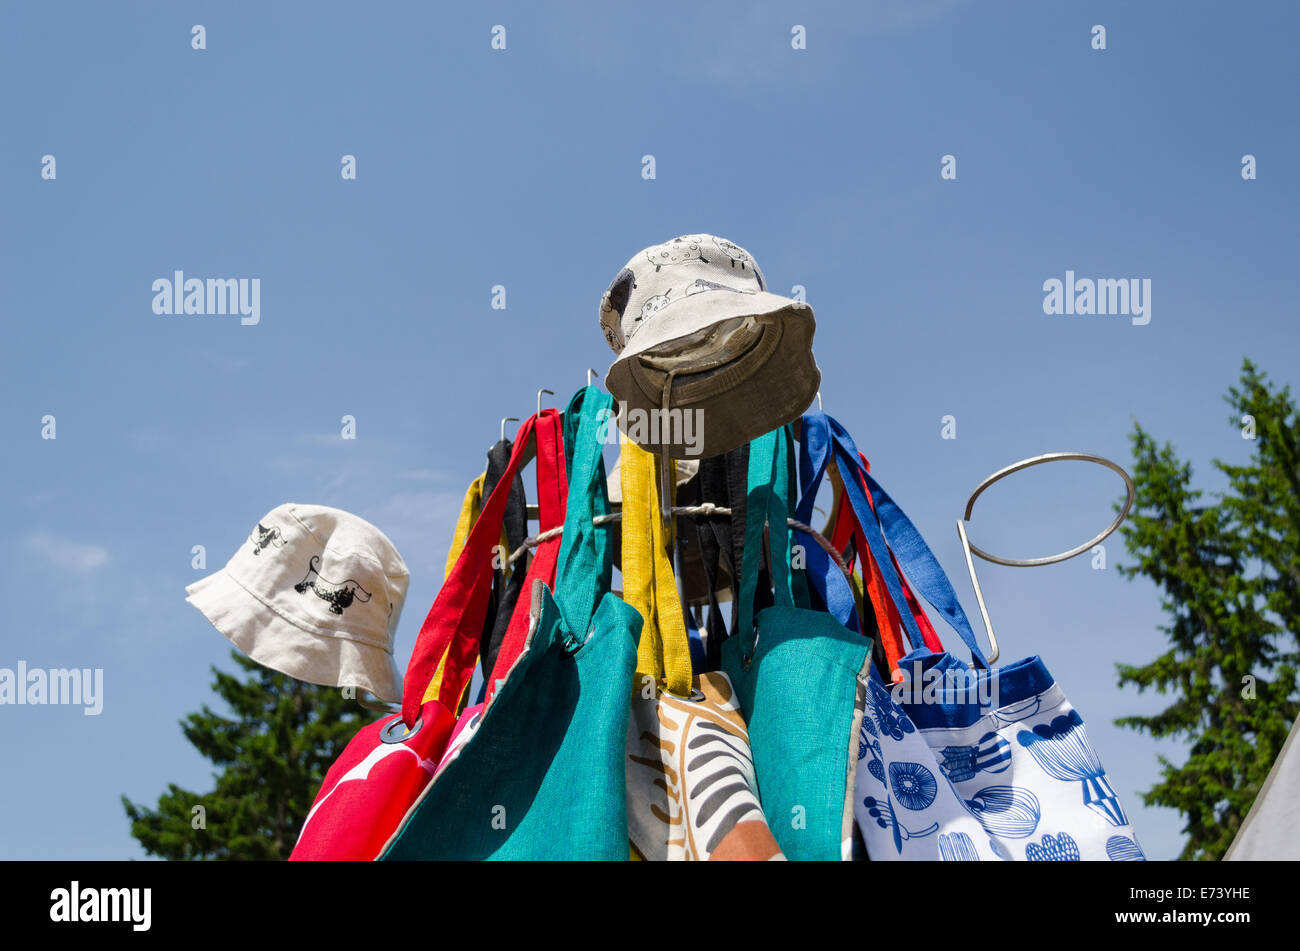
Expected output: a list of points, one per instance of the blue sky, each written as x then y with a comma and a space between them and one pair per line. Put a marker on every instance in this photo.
522, 168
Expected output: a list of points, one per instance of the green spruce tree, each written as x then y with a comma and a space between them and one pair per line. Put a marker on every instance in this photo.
1229, 573
272, 756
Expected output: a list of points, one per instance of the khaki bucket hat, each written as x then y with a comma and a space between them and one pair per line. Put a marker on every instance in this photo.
708, 358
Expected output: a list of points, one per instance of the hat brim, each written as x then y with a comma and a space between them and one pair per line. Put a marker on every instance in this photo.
274, 641
739, 401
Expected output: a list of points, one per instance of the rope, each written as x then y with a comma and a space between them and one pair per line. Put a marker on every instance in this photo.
704, 509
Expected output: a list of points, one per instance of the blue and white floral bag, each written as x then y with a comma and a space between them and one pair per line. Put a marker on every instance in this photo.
965, 763
1013, 779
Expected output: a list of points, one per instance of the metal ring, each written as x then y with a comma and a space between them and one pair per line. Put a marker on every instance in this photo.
695, 697
396, 732
1039, 460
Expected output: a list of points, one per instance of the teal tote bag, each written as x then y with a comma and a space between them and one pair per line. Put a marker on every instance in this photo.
801, 677
543, 776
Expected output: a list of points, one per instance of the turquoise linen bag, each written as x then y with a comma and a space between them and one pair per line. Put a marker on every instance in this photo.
543, 775
801, 677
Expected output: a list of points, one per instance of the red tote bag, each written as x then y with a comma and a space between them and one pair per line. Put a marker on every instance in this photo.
385, 767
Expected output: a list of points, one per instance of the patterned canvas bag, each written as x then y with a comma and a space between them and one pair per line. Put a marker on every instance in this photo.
691, 788
959, 762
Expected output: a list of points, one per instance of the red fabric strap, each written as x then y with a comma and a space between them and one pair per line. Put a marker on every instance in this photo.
928, 633
552, 492
454, 623
888, 621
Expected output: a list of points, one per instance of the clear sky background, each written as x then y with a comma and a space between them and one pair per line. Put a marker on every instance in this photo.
523, 168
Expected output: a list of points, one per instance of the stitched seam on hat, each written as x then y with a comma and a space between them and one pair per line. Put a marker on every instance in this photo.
342, 635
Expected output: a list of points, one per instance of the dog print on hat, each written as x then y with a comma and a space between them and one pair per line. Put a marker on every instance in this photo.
339, 594
264, 538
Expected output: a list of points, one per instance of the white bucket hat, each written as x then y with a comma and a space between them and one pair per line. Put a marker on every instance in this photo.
693, 316
314, 593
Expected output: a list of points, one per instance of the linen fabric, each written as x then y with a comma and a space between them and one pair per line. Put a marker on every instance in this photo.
692, 793
542, 775
315, 593
801, 678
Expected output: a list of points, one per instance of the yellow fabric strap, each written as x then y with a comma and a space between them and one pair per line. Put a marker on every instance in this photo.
469, 512
664, 652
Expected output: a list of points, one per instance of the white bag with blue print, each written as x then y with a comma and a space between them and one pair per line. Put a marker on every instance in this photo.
942, 776
965, 763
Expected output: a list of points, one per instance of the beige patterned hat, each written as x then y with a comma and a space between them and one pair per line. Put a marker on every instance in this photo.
315, 593
696, 331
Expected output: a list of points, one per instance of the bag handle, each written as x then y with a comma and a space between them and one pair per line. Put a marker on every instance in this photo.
904, 541
664, 650
585, 563
507, 581
469, 512
455, 620
505, 586
712, 535
830, 583
768, 486
552, 486
841, 599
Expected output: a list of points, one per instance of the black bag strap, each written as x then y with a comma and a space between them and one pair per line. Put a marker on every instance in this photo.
505, 591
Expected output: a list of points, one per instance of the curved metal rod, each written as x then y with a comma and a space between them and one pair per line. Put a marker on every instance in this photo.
369, 701
504, 420
1039, 460
539, 399
979, 594
590, 374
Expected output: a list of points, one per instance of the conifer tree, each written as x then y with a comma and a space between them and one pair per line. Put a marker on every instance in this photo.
272, 756
1229, 573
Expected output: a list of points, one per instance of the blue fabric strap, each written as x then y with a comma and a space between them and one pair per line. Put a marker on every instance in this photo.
823, 574
914, 555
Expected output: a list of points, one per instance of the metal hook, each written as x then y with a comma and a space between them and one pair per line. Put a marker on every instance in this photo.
539, 399
590, 373
819, 402
979, 594
369, 701
970, 549
504, 420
